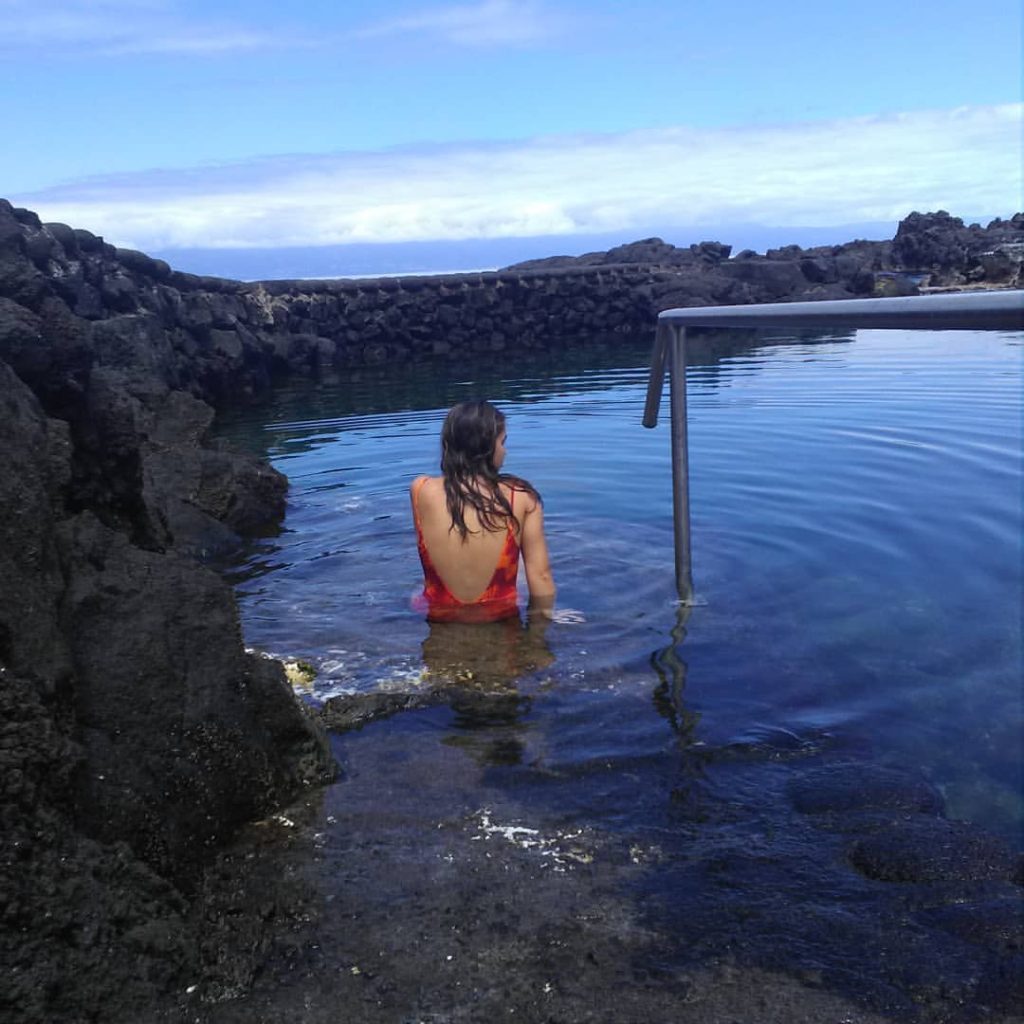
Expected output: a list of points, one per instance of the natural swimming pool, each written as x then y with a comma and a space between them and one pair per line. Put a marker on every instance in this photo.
642, 813
856, 505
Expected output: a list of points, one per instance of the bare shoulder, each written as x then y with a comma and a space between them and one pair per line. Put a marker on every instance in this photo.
430, 484
427, 492
524, 499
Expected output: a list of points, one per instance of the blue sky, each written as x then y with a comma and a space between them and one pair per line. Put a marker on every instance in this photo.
172, 123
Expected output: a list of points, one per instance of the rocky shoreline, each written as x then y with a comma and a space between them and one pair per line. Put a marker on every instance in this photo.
137, 733
138, 736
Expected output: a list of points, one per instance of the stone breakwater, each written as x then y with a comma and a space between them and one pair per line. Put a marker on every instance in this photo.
224, 341
315, 325
136, 735
560, 300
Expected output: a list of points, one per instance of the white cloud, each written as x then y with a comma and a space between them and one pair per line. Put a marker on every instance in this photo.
105, 28
120, 27
966, 160
193, 41
487, 23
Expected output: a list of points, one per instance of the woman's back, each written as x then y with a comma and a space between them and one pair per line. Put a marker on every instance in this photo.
466, 566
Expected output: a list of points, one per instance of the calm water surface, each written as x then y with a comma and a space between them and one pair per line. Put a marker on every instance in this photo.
856, 507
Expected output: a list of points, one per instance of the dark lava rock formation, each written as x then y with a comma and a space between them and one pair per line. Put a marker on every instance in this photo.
931, 249
956, 253
136, 734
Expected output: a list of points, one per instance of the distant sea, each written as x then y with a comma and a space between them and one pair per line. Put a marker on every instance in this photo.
448, 256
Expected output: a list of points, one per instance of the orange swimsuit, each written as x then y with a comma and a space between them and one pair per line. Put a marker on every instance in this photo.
499, 599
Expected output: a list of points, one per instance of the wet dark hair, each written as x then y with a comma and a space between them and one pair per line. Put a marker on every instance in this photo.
468, 438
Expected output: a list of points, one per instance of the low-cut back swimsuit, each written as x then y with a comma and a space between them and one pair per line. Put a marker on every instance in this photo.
499, 599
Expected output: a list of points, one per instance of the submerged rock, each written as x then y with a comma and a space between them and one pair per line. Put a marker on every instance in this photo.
933, 850
996, 924
846, 788
353, 711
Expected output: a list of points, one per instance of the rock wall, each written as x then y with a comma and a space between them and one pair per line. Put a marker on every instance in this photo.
542, 303
224, 341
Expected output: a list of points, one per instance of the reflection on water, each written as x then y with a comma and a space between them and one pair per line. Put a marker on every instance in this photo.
489, 656
670, 668
315, 411
669, 699
490, 728
479, 666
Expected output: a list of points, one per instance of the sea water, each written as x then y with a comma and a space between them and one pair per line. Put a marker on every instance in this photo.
856, 505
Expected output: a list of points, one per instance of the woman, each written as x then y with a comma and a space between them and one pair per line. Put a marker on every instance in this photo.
473, 521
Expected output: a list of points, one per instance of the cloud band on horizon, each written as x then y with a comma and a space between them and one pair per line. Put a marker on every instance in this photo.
812, 174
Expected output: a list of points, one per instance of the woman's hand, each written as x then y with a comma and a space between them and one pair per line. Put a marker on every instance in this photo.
566, 616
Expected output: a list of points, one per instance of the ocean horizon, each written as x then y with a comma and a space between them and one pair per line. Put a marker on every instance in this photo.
450, 256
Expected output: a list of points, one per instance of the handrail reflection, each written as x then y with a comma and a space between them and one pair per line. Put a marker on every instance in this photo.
671, 669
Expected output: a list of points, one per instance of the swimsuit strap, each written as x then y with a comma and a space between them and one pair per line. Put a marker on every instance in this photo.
416, 488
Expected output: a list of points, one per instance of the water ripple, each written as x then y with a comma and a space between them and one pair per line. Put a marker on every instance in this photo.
857, 523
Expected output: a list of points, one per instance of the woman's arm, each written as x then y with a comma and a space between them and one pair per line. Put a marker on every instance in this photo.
535, 559
413, 488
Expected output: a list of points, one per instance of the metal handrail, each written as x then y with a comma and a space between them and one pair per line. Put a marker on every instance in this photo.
954, 311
